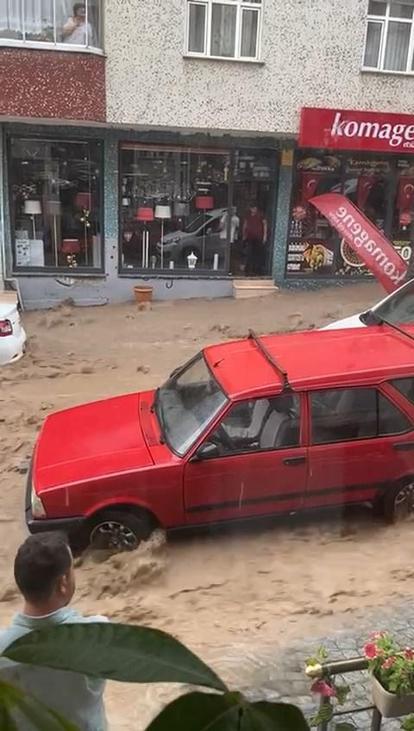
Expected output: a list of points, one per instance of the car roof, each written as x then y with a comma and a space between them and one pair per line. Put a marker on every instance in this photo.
311, 359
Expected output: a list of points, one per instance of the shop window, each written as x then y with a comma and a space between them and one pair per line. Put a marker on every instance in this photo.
196, 210
55, 204
65, 23
229, 29
390, 36
314, 248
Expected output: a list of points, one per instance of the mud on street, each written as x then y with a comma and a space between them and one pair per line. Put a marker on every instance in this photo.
235, 596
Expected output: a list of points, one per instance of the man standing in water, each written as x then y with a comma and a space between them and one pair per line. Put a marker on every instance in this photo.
45, 576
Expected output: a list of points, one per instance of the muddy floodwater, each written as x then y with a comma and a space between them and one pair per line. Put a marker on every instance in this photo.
235, 596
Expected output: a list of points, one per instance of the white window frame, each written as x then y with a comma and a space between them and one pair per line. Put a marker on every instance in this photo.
55, 45
241, 5
384, 21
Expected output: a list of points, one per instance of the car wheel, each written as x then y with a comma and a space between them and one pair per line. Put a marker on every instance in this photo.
119, 530
399, 503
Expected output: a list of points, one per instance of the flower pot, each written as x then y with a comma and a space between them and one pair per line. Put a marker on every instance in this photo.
143, 294
389, 704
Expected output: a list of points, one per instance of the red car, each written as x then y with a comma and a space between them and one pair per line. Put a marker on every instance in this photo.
255, 427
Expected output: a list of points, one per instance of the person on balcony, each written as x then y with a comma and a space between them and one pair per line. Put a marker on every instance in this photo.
76, 30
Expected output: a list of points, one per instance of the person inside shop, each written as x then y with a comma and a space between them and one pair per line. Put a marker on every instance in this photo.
131, 248
255, 238
76, 30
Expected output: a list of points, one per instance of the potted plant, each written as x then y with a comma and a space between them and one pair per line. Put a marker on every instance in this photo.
392, 670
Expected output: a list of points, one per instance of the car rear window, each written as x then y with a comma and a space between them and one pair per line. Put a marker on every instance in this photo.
347, 414
405, 386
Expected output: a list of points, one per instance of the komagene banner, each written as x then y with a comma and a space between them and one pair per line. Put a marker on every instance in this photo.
377, 253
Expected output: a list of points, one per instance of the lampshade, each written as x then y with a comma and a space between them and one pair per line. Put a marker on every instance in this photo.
204, 202
54, 208
32, 208
181, 210
162, 211
145, 214
83, 200
125, 202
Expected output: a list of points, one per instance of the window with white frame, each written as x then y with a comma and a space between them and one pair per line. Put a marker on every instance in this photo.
225, 29
66, 23
389, 44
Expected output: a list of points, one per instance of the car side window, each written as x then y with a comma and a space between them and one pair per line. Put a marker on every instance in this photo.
259, 425
405, 386
347, 414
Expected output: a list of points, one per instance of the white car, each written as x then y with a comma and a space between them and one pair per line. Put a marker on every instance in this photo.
397, 308
12, 334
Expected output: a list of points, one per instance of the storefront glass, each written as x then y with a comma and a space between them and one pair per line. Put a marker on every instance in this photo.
192, 209
381, 186
55, 203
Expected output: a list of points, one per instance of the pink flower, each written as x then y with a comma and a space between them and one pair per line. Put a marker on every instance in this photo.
371, 650
388, 663
376, 635
323, 688
409, 653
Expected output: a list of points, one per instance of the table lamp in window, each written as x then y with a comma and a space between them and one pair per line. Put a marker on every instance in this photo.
33, 208
204, 203
145, 214
163, 213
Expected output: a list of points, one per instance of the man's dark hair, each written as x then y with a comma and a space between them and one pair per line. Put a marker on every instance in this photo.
40, 561
76, 7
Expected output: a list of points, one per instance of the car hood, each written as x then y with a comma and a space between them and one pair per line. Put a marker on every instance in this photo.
90, 441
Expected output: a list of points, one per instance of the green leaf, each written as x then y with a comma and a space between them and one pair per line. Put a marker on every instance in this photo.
114, 651
15, 704
230, 712
344, 726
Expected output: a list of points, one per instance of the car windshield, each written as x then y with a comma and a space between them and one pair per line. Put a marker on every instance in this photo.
194, 223
187, 404
398, 309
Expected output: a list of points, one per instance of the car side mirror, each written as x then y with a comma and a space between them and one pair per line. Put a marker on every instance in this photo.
208, 450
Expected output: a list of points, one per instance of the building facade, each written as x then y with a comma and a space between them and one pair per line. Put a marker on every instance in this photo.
177, 143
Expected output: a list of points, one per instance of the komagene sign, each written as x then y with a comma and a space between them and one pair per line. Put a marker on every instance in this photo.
355, 130
377, 253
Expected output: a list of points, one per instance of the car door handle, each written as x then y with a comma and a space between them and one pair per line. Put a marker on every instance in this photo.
293, 461
404, 446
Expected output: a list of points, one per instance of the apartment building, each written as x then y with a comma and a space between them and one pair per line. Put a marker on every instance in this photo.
143, 143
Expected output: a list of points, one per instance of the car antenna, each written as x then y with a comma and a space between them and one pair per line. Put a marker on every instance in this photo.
378, 320
273, 362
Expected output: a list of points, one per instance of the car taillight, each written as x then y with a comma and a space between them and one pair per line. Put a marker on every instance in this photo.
38, 509
6, 328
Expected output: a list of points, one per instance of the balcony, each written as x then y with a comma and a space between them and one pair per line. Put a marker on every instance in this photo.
51, 60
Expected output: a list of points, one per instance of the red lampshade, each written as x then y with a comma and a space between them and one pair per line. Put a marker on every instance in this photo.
204, 202
145, 214
83, 200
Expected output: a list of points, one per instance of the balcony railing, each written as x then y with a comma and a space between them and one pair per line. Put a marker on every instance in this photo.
327, 710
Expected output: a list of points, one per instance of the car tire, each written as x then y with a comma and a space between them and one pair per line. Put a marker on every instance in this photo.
119, 530
399, 502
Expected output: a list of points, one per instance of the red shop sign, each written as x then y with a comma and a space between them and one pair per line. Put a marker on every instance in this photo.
341, 129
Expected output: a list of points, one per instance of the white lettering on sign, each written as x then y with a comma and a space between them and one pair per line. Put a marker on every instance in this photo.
344, 222
398, 135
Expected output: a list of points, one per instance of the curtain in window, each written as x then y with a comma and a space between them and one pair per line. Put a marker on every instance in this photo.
223, 30
196, 31
38, 19
373, 45
11, 19
396, 51
249, 33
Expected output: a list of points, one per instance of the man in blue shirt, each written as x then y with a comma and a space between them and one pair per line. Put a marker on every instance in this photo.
45, 576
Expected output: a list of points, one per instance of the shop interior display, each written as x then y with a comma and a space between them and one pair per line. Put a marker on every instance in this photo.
190, 192
55, 203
